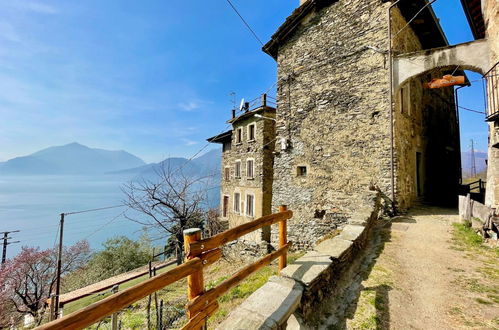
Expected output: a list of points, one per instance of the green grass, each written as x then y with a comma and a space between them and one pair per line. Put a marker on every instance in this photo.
84, 302
465, 235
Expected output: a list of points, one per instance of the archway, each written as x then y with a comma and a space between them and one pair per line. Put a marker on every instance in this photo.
427, 138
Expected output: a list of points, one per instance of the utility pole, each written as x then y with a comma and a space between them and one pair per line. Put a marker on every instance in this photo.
59, 268
6, 242
473, 163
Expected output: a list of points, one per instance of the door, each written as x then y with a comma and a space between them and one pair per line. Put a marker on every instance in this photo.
419, 174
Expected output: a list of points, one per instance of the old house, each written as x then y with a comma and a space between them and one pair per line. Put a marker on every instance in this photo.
334, 108
247, 167
354, 112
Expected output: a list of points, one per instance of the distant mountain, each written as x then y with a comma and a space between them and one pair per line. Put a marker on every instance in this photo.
480, 162
206, 164
72, 158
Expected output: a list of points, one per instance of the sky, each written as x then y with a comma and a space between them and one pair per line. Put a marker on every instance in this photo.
150, 77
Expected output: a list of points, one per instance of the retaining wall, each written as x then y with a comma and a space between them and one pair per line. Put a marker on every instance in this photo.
302, 286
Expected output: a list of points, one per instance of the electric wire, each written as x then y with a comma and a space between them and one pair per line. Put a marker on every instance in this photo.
245, 23
413, 18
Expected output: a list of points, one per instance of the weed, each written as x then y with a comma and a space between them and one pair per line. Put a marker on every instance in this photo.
464, 235
483, 301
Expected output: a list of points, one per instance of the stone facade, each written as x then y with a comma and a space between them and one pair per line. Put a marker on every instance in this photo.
333, 109
491, 16
240, 148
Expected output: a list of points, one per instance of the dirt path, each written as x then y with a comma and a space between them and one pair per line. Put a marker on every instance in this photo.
420, 276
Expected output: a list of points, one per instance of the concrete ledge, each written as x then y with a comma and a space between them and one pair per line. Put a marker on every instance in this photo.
351, 232
335, 248
267, 308
308, 268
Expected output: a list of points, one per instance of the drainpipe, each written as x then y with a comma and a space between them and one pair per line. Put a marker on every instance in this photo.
390, 62
456, 95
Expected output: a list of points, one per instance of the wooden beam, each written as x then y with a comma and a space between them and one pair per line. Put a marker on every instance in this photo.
196, 305
198, 321
101, 309
196, 248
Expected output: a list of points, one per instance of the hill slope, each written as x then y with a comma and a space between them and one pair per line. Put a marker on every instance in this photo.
72, 158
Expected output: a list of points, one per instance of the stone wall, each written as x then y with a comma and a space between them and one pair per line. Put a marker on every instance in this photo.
491, 16
333, 101
333, 109
301, 288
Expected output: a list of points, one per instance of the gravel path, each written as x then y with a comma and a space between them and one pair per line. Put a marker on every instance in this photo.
416, 277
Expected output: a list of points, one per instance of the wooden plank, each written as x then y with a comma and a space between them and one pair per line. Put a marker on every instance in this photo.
211, 256
109, 283
198, 321
198, 304
197, 248
101, 309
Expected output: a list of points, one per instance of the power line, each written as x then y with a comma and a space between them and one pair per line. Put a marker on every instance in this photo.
93, 210
413, 18
245, 23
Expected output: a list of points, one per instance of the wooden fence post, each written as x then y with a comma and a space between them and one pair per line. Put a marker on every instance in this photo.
195, 281
283, 238
114, 317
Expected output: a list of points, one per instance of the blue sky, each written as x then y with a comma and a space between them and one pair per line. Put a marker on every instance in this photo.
151, 77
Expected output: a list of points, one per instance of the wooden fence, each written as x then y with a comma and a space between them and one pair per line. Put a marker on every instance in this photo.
199, 254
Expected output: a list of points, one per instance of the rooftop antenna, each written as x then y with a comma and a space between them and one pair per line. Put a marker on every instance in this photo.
233, 99
241, 106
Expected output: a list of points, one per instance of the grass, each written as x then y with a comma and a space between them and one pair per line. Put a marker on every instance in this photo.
81, 303
135, 317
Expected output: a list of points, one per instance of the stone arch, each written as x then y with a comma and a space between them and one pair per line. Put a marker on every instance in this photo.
473, 56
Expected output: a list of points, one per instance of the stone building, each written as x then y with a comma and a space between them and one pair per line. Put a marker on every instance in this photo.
353, 113
247, 167
334, 109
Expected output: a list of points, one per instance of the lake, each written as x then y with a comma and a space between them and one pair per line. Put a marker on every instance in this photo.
32, 204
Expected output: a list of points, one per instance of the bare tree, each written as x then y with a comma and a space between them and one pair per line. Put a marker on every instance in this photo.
171, 202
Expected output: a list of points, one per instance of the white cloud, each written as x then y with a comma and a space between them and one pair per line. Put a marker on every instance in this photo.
36, 7
189, 142
193, 105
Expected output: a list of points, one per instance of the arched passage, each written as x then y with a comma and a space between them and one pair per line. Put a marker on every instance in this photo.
473, 56
427, 139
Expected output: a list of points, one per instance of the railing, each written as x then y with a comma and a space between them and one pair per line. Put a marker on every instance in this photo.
492, 85
199, 254
477, 185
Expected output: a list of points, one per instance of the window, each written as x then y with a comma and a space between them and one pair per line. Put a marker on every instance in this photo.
250, 171
250, 205
239, 135
237, 203
225, 206
238, 169
405, 100
301, 171
251, 132
227, 174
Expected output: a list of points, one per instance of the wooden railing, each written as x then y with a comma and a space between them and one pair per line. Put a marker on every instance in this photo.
199, 254
477, 185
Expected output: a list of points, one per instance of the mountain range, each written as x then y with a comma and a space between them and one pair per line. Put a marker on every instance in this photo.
480, 162
75, 159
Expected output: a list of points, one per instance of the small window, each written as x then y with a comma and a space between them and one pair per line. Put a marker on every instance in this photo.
250, 168
301, 171
238, 169
251, 132
227, 174
239, 135
250, 205
225, 206
237, 203
405, 100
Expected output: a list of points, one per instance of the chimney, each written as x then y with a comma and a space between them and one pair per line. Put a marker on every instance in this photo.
233, 113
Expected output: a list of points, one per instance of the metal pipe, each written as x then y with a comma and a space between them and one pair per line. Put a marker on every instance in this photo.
456, 95
390, 63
